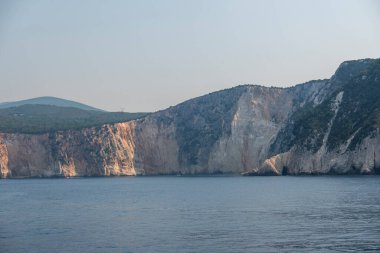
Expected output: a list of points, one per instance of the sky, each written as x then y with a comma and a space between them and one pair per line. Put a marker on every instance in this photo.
148, 55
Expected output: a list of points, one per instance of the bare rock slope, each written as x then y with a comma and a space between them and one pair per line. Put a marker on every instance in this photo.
319, 127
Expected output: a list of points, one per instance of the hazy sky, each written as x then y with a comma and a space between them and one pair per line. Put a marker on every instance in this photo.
148, 55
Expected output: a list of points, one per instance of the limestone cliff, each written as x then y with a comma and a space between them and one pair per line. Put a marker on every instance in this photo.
104, 151
320, 127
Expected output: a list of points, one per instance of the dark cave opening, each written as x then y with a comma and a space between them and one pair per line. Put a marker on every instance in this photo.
285, 170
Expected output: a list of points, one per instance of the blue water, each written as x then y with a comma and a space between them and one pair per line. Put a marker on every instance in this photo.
191, 214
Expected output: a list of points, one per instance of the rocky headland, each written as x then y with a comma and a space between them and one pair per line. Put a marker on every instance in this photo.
320, 127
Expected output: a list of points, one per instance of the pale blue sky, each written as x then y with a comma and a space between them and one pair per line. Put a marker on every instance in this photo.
147, 55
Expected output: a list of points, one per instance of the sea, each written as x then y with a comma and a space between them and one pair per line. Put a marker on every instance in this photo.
191, 214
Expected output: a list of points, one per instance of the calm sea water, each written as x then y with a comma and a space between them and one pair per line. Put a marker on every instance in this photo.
191, 214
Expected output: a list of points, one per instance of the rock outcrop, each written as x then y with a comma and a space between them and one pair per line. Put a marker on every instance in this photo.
104, 151
320, 127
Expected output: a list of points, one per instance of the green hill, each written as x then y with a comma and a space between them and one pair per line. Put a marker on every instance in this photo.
48, 101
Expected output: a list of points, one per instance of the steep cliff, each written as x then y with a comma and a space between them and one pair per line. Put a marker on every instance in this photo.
103, 151
320, 127
338, 135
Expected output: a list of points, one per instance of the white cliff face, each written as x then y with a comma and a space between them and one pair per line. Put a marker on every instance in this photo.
29, 155
156, 148
364, 160
107, 151
90, 152
260, 114
4, 171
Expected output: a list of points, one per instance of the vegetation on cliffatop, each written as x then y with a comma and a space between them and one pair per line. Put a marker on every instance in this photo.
358, 115
36, 119
359, 112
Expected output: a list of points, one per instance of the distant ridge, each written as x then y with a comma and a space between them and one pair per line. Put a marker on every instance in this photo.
49, 101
